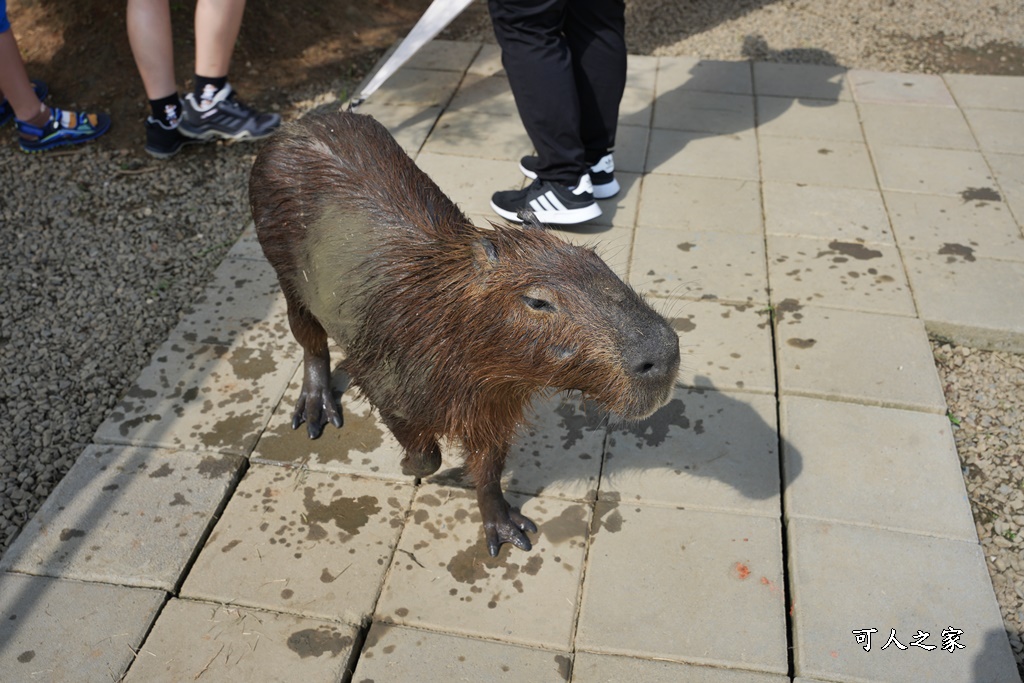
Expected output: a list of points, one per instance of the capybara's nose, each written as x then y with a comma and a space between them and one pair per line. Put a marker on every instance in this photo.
655, 355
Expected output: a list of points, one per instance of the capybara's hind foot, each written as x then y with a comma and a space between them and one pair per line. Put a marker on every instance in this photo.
422, 464
316, 405
502, 522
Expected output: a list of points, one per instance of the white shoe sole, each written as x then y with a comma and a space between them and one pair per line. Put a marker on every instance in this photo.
566, 217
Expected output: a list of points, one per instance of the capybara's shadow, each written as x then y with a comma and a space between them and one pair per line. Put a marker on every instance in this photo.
703, 449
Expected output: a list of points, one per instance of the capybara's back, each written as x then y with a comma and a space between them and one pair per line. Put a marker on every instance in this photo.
447, 328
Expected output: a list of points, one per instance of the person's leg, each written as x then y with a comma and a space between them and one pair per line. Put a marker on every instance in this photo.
149, 34
217, 23
152, 41
212, 110
595, 33
540, 71
39, 127
15, 85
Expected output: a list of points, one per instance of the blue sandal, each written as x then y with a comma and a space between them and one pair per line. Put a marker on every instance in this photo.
63, 128
7, 111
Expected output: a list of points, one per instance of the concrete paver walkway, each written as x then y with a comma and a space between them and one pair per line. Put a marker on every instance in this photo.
804, 227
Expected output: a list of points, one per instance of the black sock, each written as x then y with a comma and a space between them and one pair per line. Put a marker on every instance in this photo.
167, 109
202, 82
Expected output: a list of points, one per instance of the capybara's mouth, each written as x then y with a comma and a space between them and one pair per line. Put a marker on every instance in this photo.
640, 404
655, 400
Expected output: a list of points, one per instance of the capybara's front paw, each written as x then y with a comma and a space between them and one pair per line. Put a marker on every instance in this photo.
504, 523
316, 408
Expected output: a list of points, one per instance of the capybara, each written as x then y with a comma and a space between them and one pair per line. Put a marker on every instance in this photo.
448, 329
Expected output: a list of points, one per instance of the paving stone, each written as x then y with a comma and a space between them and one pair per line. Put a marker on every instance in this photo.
636, 107
804, 81
723, 346
726, 576
202, 397
66, 632
875, 87
856, 356
704, 450
916, 126
707, 265
475, 134
363, 445
128, 516
242, 306
487, 61
809, 118
987, 92
932, 171
470, 182
844, 213
484, 95
559, 452
712, 112
288, 536
409, 124
958, 228
998, 131
902, 473
817, 162
703, 154
422, 87
394, 653
888, 580
631, 148
444, 55
704, 204
199, 641
954, 295
840, 274
1009, 173
641, 71
704, 75
591, 668
443, 578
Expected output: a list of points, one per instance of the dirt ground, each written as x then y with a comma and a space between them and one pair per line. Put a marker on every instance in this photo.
289, 49
81, 50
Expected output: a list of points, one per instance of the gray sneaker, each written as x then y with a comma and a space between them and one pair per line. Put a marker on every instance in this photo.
224, 116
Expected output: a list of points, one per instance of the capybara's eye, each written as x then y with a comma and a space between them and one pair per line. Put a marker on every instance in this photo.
539, 304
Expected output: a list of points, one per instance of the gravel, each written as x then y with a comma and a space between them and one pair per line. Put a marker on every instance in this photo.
985, 396
103, 250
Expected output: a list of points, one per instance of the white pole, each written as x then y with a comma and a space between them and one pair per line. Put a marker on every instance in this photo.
438, 15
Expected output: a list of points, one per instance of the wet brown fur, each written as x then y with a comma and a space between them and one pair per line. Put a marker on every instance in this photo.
441, 342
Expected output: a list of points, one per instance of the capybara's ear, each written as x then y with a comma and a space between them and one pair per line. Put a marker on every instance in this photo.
485, 255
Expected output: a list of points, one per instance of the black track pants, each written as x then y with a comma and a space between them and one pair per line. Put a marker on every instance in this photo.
566, 64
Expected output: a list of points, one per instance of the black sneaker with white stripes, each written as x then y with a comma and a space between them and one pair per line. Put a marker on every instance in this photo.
602, 175
550, 202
